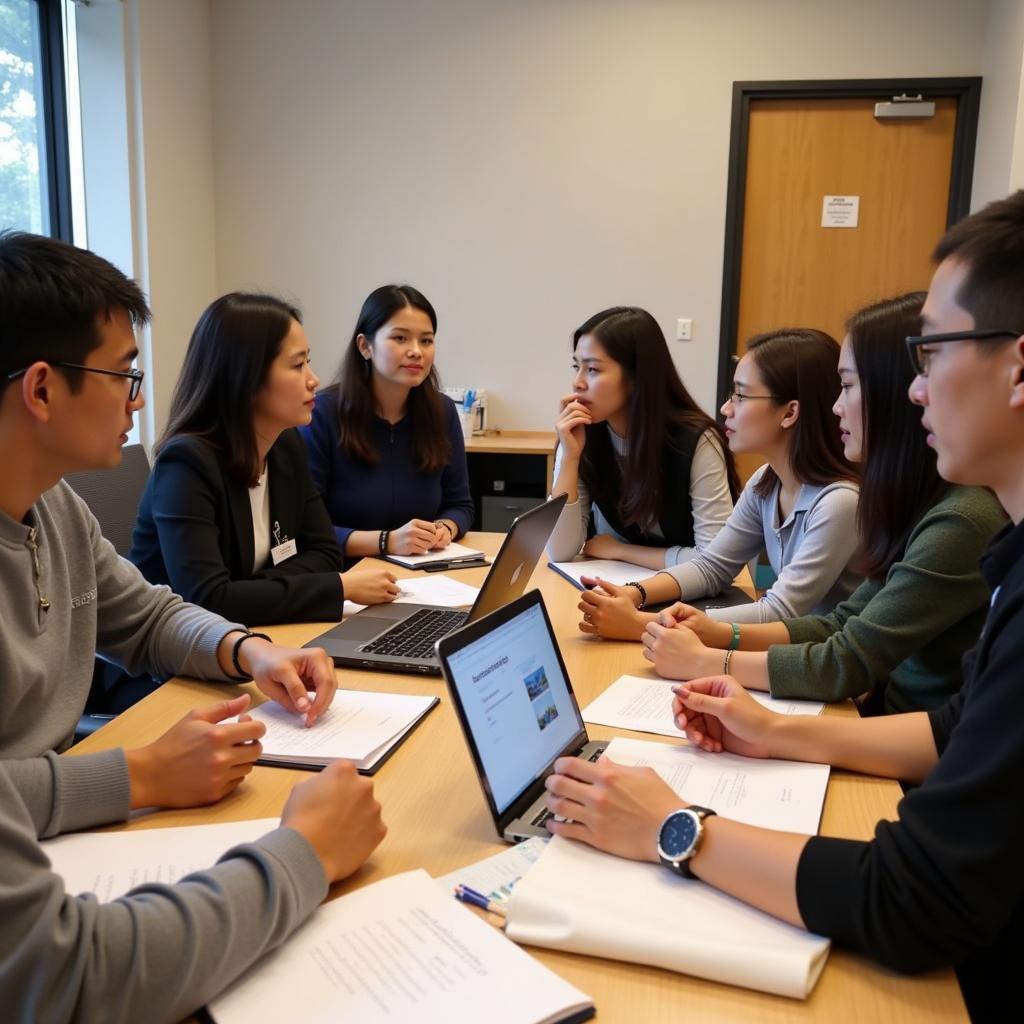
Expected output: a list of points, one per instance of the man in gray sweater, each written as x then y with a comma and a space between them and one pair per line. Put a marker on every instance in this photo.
67, 395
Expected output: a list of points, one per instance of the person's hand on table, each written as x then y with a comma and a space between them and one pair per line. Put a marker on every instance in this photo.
416, 537
611, 611
613, 807
370, 586
335, 811
604, 545
717, 714
444, 534
286, 675
199, 760
677, 652
711, 632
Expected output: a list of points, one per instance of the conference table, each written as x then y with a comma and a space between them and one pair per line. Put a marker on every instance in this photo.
437, 819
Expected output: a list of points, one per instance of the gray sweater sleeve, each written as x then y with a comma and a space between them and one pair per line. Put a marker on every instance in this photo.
156, 954
570, 532
149, 629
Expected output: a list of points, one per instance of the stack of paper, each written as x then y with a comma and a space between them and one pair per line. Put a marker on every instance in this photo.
359, 726
578, 899
448, 556
645, 705
399, 950
109, 864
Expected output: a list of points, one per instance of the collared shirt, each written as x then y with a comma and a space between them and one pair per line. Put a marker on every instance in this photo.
810, 552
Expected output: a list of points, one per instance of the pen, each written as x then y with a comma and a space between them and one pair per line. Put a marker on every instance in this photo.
466, 895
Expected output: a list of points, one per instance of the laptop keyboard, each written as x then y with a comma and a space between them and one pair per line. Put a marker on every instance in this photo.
415, 636
539, 820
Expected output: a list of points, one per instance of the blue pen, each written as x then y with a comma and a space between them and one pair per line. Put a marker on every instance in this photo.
466, 895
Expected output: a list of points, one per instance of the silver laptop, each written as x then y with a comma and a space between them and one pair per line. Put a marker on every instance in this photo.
517, 709
401, 637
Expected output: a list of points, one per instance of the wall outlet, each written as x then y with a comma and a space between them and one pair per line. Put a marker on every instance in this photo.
684, 330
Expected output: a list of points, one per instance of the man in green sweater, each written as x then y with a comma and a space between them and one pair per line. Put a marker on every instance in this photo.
67, 396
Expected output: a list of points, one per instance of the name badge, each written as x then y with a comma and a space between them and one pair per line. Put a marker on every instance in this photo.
282, 552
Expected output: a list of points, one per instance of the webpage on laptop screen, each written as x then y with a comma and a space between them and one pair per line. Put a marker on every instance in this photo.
516, 701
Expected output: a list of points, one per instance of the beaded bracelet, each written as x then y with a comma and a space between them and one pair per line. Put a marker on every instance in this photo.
725, 664
382, 542
735, 636
642, 592
243, 676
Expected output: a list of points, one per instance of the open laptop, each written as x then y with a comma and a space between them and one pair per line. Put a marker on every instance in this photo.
517, 709
401, 637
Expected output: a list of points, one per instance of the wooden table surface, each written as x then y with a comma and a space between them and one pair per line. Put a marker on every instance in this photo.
438, 820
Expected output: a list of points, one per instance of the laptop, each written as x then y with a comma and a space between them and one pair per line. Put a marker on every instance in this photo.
401, 637
516, 707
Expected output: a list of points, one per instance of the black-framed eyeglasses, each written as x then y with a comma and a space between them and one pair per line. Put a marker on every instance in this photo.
737, 399
134, 375
920, 356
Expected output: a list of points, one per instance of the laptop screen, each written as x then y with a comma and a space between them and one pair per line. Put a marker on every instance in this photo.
516, 701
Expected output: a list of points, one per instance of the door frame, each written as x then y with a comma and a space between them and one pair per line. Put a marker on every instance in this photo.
967, 92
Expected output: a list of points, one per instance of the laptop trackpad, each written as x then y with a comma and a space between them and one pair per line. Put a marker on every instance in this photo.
365, 627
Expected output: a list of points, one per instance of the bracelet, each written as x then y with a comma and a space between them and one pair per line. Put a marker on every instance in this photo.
735, 636
382, 542
725, 664
243, 676
441, 522
642, 592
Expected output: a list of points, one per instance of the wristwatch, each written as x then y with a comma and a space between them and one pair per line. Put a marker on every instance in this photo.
679, 838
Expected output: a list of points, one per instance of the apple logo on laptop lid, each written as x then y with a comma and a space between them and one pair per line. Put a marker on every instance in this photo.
515, 575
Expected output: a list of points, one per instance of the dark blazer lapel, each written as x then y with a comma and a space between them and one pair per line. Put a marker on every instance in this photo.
240, 510
284, 490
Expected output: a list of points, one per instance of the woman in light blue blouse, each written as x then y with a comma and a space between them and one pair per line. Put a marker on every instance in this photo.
801, 507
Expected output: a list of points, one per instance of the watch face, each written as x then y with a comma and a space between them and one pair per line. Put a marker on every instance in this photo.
678, 834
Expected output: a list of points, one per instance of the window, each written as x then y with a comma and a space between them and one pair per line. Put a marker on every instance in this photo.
34, 180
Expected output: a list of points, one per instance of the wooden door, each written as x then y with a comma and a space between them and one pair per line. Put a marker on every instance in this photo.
796, 273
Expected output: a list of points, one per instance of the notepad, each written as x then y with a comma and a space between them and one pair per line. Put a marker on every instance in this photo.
399, 950
110, 864
452, 553
608, 569
645, 705
360, 725
580, 900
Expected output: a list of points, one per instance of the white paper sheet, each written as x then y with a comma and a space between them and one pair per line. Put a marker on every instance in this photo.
357, 724
608, 569
441, 591
398, 950
495, 876
444, 555
645, 705
111, 863
583, 901
783, 795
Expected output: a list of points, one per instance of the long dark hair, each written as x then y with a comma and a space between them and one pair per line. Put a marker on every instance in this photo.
354, 386
229, 354
802, 364
659, 408
899, 478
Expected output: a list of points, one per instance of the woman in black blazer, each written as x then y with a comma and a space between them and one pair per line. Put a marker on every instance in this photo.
230, 518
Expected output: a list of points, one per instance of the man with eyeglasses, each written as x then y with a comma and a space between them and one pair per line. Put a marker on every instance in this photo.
944, 885
67, 396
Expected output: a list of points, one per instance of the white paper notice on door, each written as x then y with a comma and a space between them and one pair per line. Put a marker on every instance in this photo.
840, 211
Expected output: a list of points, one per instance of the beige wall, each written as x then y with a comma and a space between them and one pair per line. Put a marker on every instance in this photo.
171, 136
524, 163
1000, 162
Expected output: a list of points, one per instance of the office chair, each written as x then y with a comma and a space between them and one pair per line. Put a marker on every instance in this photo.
113, 497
